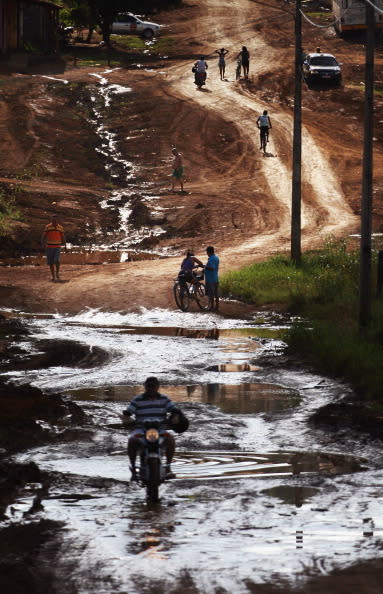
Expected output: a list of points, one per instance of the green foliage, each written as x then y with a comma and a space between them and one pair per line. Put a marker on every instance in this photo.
325, 290
8, 210
325, 277
342, 351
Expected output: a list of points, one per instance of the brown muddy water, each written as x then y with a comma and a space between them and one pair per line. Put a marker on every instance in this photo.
260, 497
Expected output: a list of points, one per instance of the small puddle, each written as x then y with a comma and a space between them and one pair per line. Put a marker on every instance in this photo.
222, 465
84, 257
207, 465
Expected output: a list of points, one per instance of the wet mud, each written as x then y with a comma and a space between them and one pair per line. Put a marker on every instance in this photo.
263, 500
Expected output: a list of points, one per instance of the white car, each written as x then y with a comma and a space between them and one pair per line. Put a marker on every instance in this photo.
128, 24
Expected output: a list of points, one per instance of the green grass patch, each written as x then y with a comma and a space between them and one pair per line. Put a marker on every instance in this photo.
326, 280
8, 211
134, 42
324, 290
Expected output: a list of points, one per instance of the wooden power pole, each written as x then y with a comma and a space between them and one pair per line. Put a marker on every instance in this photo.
297, 142
366, 200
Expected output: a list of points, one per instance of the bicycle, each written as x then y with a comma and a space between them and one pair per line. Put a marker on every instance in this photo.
264, 137
186, 291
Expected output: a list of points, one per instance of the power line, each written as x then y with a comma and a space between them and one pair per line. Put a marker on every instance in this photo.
374, 6
317, 25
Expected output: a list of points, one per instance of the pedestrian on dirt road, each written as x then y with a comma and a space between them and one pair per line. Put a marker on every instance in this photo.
211, 278
52, 239
221, 61
245, 60
178, 169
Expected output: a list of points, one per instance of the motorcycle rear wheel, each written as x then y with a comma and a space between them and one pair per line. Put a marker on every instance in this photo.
153, 481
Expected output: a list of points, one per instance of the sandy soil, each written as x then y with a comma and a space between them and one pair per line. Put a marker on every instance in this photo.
237, 199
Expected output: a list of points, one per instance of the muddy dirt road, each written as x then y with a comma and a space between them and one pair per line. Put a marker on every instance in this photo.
236, 198
262, 500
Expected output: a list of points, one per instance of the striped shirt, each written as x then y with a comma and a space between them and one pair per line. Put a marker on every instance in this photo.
54, 235
145, 407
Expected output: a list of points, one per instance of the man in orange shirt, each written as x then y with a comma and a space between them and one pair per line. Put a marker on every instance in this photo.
52, 239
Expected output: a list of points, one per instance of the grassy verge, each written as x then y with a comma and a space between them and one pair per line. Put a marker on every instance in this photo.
8, 210
324, 290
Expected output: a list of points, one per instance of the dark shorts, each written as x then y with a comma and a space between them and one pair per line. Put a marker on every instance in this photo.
178, 173
53, 255
211, 289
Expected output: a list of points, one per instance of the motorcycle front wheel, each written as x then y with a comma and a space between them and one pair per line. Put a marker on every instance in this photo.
154, 480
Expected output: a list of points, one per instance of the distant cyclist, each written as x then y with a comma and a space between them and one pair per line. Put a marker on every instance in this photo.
264, 125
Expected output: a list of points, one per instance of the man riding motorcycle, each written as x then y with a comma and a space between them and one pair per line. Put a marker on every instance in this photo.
155, 406
199, 70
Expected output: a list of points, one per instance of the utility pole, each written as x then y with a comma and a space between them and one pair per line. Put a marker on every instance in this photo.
366, 200
297, 142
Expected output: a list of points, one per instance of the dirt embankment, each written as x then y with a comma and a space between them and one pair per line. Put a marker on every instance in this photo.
236, 199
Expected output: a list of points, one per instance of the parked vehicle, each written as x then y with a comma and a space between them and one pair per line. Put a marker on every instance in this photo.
129, 24
350, 15
320, 67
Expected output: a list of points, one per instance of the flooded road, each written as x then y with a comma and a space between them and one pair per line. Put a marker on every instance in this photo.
260, 497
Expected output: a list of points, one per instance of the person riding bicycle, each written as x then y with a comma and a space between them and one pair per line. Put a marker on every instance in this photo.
151, 405
187, 265
264, 125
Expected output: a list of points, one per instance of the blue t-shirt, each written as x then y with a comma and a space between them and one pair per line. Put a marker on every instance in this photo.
211, 274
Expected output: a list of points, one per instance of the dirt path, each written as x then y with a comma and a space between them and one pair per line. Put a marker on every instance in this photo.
250, 191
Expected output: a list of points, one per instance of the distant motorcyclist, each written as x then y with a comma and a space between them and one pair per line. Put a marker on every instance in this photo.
200, 67
155, 406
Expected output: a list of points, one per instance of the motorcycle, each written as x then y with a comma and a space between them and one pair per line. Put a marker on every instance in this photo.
152, 471
199, 77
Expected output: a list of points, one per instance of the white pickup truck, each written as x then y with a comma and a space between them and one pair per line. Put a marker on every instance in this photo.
128, 24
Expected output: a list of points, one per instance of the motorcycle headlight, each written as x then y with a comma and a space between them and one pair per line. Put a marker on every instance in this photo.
152, 435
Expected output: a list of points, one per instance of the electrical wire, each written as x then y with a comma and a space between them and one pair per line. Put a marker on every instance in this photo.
316, 24
374, 6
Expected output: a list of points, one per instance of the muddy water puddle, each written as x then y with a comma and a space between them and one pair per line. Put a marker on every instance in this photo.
259, 495
244, 398
84, 257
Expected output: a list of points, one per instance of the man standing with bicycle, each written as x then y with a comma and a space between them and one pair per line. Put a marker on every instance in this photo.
211, 278
264, 125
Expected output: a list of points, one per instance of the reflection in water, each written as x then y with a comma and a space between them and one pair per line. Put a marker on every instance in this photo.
84, 257
292, 495
246, 398
282, 464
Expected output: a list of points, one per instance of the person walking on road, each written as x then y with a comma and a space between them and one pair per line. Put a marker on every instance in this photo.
52, 239
211, 278
178, 169
221, 61
245, 60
